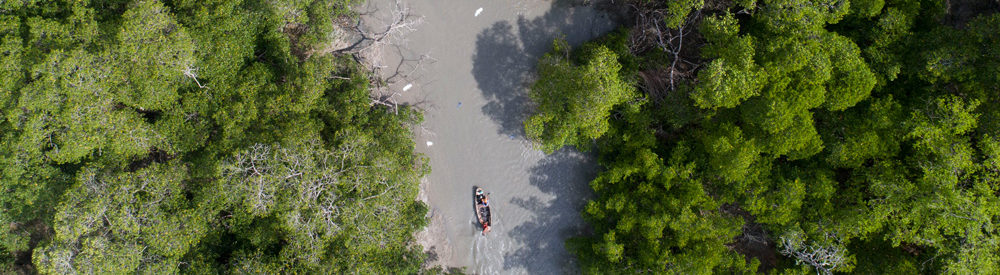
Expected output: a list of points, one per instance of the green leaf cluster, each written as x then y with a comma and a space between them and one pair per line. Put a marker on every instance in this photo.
575, 110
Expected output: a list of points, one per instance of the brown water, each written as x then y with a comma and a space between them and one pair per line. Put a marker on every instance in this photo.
474, 100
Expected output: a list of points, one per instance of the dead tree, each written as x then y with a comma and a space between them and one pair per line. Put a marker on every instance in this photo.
371, 49
652, 33
824, 258
752, 233
251, 170
192, 72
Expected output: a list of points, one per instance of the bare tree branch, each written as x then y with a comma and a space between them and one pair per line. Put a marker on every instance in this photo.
192, 72
824, 258
370, 51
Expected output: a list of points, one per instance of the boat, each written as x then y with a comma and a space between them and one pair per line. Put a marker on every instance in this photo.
481, 201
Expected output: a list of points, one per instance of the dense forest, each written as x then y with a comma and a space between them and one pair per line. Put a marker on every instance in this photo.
787, 136
228, 136
198, 136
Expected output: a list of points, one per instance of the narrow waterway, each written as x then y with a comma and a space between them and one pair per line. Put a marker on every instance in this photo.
473, 94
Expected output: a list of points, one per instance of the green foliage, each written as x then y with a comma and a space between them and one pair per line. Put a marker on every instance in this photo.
851, 80
678, 11
884, 54
11, 53
354, 199
878, 257
798, 18
114, 222
732, 76
653, 215
836, 136
870, 132
866, 8
123, 125
730, 153
150, 43
575, 110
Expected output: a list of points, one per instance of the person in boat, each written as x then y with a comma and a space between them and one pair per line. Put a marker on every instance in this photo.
486, 224
485, 202
481, 198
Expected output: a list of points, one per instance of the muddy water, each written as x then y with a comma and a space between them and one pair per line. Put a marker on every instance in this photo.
473, 94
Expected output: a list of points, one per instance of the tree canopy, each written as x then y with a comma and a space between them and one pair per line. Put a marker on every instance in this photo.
215, 136
794, 136
575, 110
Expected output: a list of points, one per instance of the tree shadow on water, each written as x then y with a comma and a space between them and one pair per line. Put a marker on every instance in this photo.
505, 58
501, 68
563, 177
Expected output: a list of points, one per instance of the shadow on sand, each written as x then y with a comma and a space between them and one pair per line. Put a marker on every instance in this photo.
503, 64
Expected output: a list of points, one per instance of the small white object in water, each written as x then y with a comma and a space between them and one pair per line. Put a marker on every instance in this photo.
430, 143
407, 87
480, 10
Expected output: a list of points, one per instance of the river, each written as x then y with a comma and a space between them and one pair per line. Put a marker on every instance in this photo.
472, 90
